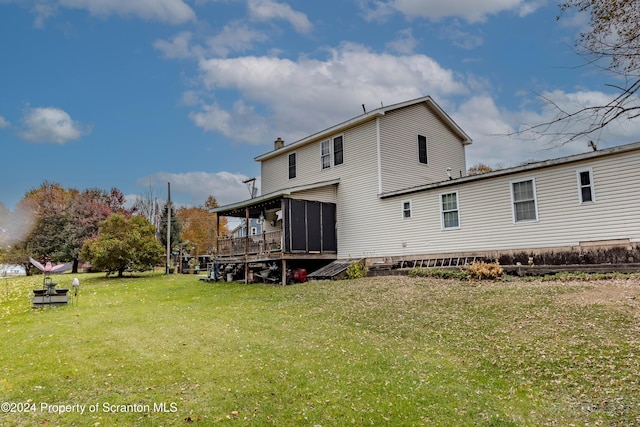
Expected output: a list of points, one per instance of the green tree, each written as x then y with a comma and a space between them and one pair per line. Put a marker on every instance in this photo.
86, 210
123, 244
47, 209
47, 240
52, 222
176, 229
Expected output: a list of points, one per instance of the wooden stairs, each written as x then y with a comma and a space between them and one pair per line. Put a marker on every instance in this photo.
332, 270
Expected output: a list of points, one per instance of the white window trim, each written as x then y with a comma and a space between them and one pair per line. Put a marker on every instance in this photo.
535, 201
329, 143
332, 155
591, 184
402, 210
442, 211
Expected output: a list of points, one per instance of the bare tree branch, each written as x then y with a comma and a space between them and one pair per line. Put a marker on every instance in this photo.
613, 44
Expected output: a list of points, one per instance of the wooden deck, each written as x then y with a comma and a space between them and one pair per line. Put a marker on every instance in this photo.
261, 244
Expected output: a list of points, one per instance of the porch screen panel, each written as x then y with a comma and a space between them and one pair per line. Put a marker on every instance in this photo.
314, 227
286, 226
297, 219
329, 241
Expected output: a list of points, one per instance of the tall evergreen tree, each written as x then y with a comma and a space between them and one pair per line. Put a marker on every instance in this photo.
175, 226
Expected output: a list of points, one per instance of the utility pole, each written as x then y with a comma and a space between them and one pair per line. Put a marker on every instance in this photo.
168, 226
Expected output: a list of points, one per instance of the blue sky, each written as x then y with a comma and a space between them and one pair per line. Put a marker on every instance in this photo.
133, 94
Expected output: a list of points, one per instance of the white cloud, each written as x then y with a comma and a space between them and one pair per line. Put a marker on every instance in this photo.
404, 43
620, 131
241, 123
529, 7
169, 11
226, 187
459, 37
190, 98
43, 11
51, 125
178, 47
266, 10
435, 10
310, 94
489, 128
4, 123
236, 36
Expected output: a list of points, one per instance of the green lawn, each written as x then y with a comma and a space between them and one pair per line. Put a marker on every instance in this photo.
171, 350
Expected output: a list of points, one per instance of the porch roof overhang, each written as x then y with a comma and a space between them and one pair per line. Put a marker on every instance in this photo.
267, 201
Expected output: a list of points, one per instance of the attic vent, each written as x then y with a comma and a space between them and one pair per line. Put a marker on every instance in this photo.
278, 144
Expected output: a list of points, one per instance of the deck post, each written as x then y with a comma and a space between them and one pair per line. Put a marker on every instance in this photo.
284, 272
217, 234
246, 239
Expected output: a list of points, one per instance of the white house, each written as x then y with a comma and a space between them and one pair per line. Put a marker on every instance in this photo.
255, 228
12, 270
391, 184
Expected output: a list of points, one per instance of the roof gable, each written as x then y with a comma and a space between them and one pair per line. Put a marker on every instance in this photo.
371, 115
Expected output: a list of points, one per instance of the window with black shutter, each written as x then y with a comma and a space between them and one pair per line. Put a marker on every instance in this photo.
292, 165
422, 149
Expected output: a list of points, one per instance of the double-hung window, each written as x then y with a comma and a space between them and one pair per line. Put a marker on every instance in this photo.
523, 197
325, 154
292, 165
422, 149
333, 147
585, 186
406, 209
450, 216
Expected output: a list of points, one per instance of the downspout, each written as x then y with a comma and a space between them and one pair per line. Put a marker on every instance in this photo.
378, 149
246, 246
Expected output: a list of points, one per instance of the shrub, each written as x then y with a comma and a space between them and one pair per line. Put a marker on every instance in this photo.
483, 270
356, 270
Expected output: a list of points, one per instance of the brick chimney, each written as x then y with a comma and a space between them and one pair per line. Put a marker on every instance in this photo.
278, 144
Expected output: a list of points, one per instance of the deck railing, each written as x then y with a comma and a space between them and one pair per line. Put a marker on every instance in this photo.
267, 242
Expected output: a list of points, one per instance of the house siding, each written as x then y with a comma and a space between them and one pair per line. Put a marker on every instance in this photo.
354, 195
381, 157
274, 174
486, 213
399, 130
309, 167
327, 194
357, 195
